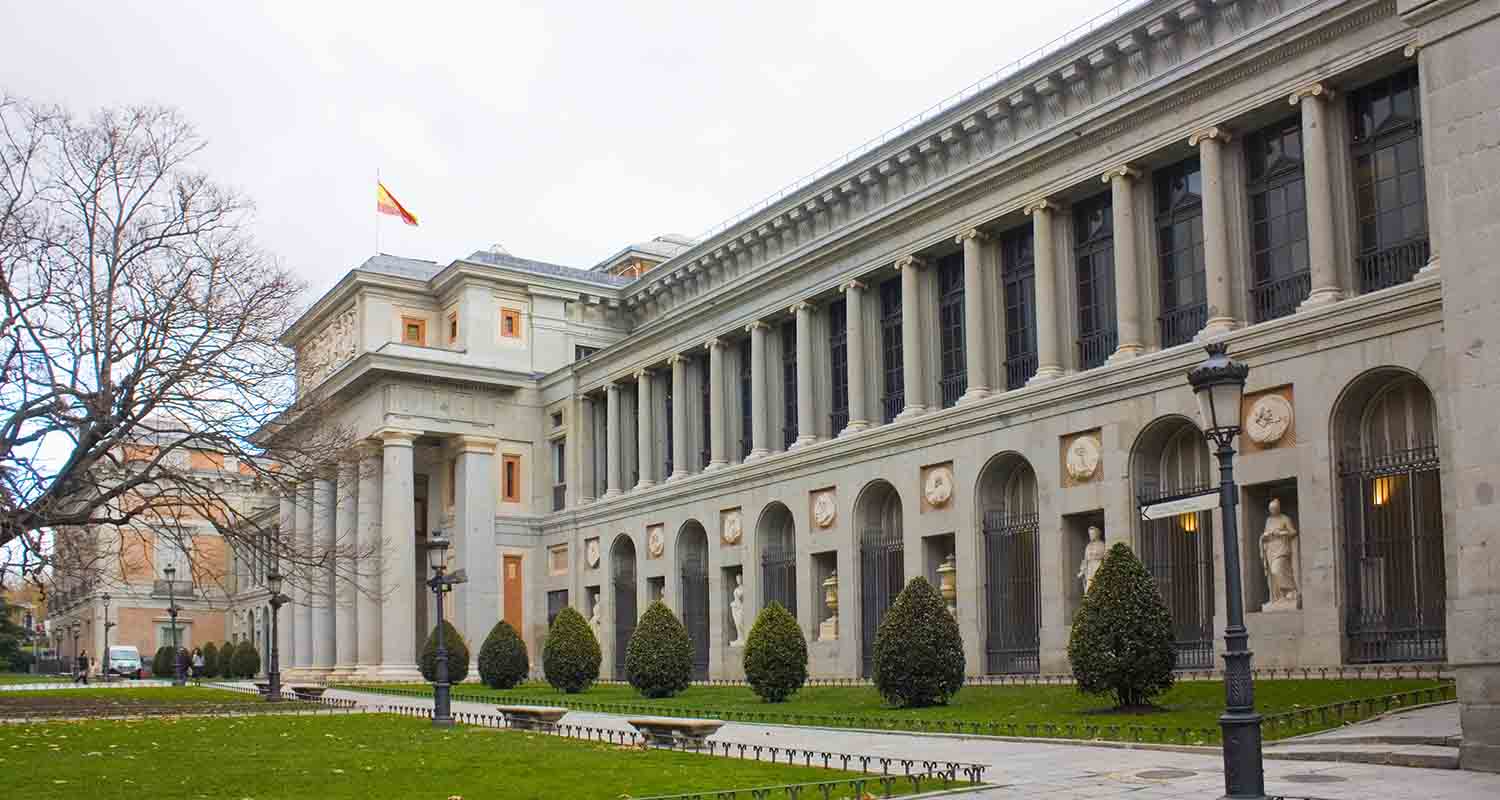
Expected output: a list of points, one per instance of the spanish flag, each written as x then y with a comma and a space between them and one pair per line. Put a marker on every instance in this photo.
386, 203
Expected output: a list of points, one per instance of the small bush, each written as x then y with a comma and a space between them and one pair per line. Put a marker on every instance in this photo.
245, 661
226, 659
659, 658
458, 654
503, 661
1121, 642
571, 655
919, 652
775, 654
211, 660
162, 665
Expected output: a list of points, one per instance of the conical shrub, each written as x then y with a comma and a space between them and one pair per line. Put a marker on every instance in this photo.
211, 660
919, 652
246, 661
571, 655
458, 654
226, 659
775, 654
161, 663
503, 661
659, 658
1121, 643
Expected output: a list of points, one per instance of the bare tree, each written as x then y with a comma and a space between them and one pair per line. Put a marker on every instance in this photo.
138, 336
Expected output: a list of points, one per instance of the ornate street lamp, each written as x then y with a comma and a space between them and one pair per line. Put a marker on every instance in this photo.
177, 677
277, 600
1219, 385
74, 628
107, 626
441, 583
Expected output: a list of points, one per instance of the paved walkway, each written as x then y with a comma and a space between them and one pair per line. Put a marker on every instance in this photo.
1067, 771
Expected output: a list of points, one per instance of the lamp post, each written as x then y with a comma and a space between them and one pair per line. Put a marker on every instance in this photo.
277, 600
74, 628
441, 583
107, 625
1219, 385
177, 677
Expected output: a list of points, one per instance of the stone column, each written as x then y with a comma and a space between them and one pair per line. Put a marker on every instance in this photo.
612, 467
1048, 350
716, 455
760, 442
645, 442
976, 327
679, 417
586, 451
345, 613
302, 610
1210, 143
286, 636
1317, 175
370, 558
1121, 182
476, 604
398, 615
807, 427
325, 544
854, 352
913, 372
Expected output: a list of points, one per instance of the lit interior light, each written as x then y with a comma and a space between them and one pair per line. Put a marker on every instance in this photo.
1188, 522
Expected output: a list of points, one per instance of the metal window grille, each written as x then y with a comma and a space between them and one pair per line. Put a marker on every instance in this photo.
1178, 551
838, 361
954, 378
778, 564
693, 558
556, 601
894, 398
1280, 280
880, 579
622, 567
1094, 254
1018, 284
746, 411
789, 382
1179, 237
1012, 568
1390, 196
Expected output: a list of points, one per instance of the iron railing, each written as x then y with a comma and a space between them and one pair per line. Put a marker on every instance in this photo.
788, 436
1012, 592
1181, 561
1180, 325
1392, 266
693, 557
623, 579
1095, 347
1278, 298
891, 405
952, 387
880, 580
1019, 369
838, 420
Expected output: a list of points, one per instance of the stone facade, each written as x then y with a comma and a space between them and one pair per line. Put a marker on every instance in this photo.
970, 344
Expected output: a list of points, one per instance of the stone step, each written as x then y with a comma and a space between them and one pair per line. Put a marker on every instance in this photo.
1396, 755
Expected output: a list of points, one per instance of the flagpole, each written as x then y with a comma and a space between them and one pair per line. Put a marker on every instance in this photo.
377, 213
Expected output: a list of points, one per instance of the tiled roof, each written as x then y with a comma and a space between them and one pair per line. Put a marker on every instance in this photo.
401, 267
543, 268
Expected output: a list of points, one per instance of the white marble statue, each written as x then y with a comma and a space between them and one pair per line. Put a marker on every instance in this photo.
595, 621
1093, 556
737, 611
1278, 556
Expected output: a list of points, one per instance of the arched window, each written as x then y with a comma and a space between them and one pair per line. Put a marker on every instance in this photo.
692, 559
622, 578
778, 558
1012, 566
881, 574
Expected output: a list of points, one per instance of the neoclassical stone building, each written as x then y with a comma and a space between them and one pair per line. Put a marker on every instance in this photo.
956, 353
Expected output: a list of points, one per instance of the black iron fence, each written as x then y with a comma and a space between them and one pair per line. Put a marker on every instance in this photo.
1391, 266
951, 387
1180, 325
1094, 348
1019, 369
1278, 298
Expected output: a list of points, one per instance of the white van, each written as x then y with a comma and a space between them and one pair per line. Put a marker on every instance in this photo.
124, 660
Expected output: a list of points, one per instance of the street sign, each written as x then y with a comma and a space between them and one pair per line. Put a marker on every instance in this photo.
1181, 505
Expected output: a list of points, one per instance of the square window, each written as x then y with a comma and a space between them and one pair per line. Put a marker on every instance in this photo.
452, 327
510, 323
510, 479
414, 331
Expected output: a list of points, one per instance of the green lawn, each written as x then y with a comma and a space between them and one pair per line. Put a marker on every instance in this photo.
1189, 704
20, 677
357, 756
142, 696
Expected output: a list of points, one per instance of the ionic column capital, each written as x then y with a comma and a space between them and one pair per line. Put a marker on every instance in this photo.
397, 437
1315, 90
1123, 172
613, 387
675, 359
971, 233
756, 325
1215, 132
713, 344
643, 373
848, 285
800, 305
912, 261
1039, 206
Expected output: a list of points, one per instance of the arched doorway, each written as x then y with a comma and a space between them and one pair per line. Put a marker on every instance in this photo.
1171, 459
692, 561
881, 574
1008, 515
622, 579
1395, 578
778, 557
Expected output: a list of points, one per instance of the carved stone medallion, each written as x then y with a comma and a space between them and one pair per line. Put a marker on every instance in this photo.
938, 488
1083, 458
656, 541
733, 527
1269, 419
591, 553
825, 510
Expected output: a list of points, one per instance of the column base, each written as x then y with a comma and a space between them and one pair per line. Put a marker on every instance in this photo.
1325, 296
398, 673
757, 454
341, 672
715, 465
639, 485
854, 426
973, 394
910, 412
1215, 327
676, 475
1431, 269
803, 441
1125, 352
1044, 373
365, 672
608, 496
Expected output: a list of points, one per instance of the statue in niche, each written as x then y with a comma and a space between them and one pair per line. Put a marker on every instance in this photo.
737, 611
595, 621
1278, 556
1093, 556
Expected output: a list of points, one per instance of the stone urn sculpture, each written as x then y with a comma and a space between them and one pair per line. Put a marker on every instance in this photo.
829, 629
948, 583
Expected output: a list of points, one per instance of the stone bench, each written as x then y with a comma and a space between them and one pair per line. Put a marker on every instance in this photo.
308, 692
529, 718
666, 731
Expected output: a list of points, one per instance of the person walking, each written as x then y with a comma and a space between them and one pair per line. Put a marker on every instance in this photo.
197, 664
81, 668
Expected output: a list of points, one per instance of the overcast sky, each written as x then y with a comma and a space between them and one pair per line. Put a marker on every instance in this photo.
561, 131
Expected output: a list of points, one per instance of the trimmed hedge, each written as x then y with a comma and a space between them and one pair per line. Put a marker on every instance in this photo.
503, 662
1121, 642
458, 654
161, 664
659, 658
211, 660
226, 659
245, 662
571, 655
775, 654
919, 652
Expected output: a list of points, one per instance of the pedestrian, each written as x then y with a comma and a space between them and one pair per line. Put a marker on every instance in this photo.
81, 668
197, 664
